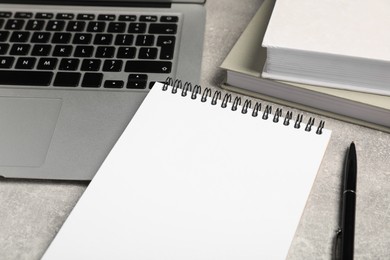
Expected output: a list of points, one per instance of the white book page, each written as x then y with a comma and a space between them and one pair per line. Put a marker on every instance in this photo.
189, 180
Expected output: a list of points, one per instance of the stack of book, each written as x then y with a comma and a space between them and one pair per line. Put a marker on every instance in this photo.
244, 65
341, 44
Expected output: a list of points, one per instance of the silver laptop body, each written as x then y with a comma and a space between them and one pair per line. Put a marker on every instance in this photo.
57, 132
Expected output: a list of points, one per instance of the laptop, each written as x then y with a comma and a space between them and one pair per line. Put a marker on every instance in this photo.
73, 73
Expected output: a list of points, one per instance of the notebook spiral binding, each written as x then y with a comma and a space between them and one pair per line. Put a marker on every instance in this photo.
216, 95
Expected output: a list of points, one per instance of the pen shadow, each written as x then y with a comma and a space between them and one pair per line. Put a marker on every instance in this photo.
336, 246
337, 237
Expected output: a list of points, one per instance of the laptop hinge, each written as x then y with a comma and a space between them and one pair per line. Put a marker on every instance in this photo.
90, 3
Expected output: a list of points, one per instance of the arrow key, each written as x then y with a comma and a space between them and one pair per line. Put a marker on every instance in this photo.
137, 81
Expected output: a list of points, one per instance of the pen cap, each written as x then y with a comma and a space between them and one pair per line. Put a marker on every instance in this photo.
350, 169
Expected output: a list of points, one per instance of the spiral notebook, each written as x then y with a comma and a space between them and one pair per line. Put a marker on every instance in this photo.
197, 175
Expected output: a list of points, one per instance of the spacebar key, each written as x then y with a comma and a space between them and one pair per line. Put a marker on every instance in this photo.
149, 66
25, 78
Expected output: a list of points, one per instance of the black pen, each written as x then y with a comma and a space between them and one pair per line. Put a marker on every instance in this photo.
347, 232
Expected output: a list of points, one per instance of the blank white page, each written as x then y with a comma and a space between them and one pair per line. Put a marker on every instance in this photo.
191, 180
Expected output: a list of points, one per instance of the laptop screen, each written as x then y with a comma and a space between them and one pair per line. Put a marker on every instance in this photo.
107, 2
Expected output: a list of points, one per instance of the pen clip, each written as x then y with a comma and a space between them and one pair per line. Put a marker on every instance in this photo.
336, 246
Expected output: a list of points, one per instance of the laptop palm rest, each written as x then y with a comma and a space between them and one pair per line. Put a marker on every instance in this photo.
26, 128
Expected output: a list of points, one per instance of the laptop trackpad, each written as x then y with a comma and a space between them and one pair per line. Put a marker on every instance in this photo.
26, 128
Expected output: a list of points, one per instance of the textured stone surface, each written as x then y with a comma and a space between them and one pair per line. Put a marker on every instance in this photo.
31, 212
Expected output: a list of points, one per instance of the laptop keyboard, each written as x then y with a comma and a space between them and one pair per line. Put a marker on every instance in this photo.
86, 50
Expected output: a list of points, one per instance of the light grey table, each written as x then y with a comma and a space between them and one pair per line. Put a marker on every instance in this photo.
31, 212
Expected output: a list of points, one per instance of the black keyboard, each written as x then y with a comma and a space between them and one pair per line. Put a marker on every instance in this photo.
86, 50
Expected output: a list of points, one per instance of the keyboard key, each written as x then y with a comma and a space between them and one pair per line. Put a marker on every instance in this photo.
126, 53
113, 84
6, 62
148, 18
91, 65
84, 51
62, 50
44, 15
35, 25
166, 41
169, 19
3, 36
148, 66
64, 16
103, 39
145, 40
75, 26
25, 63
47, 63
137, 28
85, 17
138, 77
23, 15
20, 36
147, 53
96, 27
4, 48
167, 44
55, 26
163, 28
2, 21
82, 38
5, 14
166, 53
20, 49
105, 52
113, 65
92, 80
67, 79
25, 78
128, 18
40, 37
69, 64
41, 50
116, 27
136, 84
14, 24
124, 39
106, 17
61, 38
